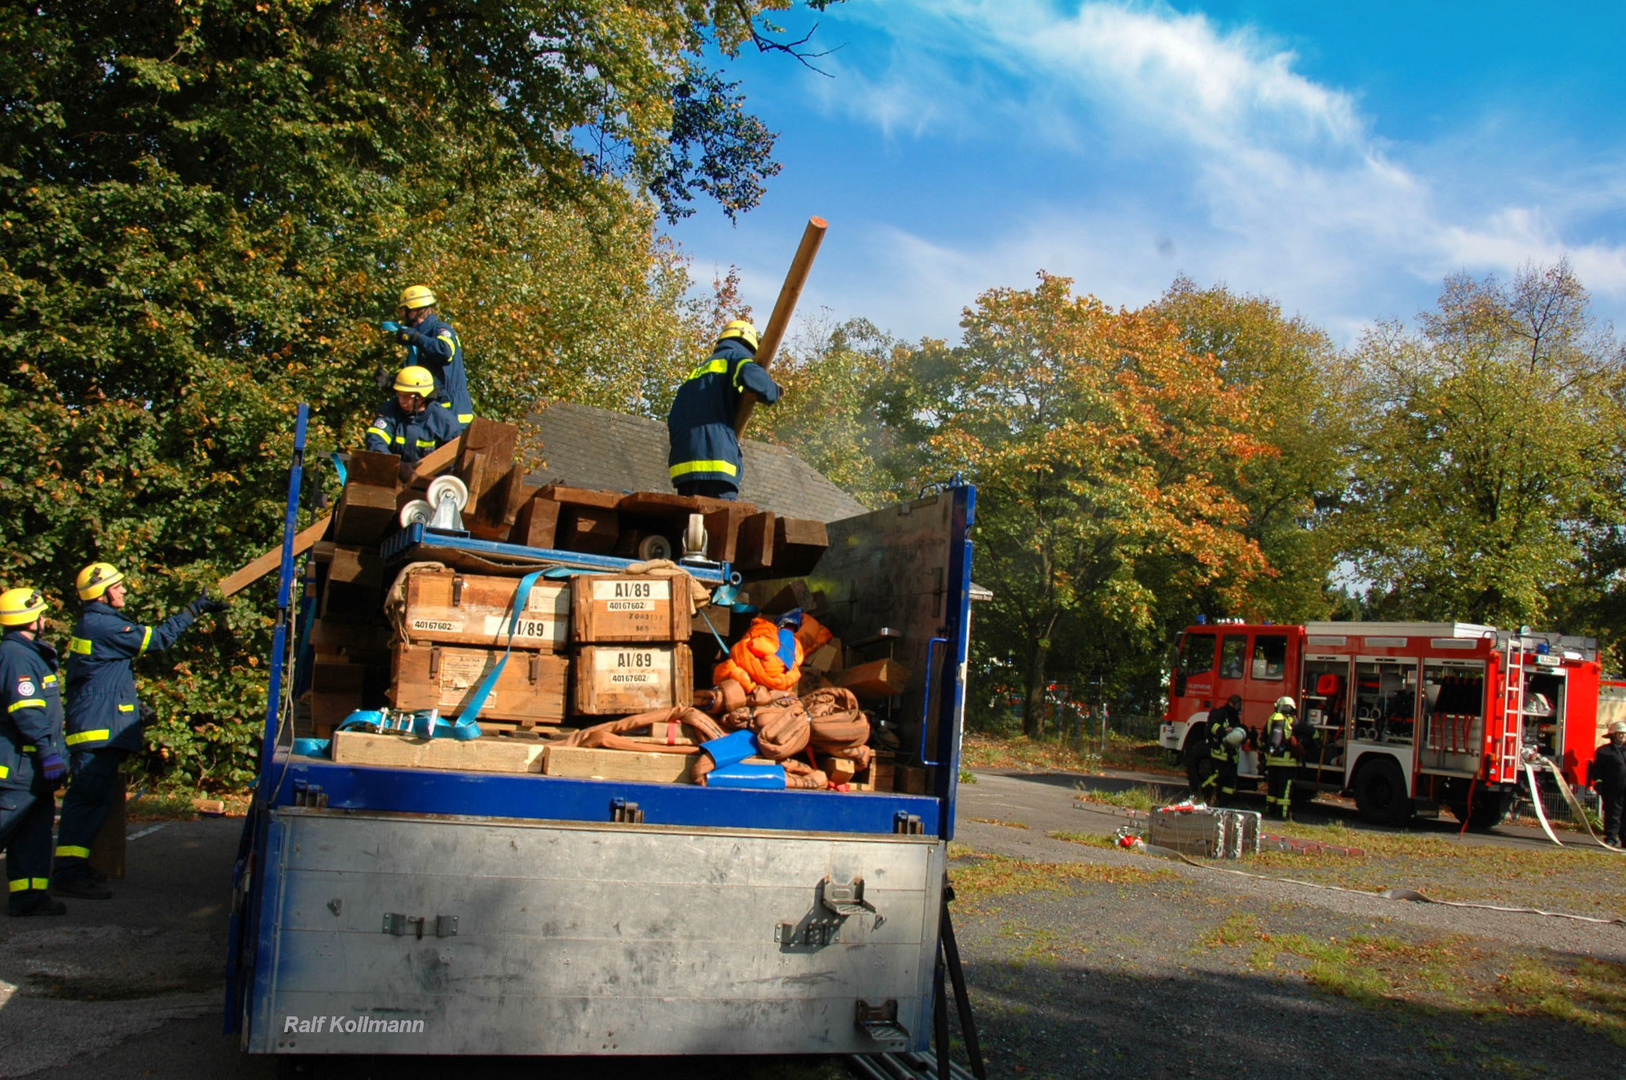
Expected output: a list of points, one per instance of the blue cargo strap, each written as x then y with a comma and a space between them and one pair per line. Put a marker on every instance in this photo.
466, 728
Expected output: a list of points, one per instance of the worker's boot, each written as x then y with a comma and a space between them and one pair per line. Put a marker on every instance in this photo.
80, 887
36, 903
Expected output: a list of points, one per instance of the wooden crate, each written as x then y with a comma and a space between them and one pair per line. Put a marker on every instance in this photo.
615, 680
475, 609
530, 690
401, 751
629, 607
598, 764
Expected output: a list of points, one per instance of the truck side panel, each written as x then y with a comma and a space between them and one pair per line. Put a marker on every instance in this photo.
587, 939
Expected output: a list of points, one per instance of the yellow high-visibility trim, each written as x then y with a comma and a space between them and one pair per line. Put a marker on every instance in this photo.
5, 771
20, 885
446, 336
719, 366
79, 645
380, 432
126, 708
400, 440
464, 417
88, 736
41, 882
68, 851
737, 372
684, 468
49, 680
146, 639
425, 444
29, 749
26, 703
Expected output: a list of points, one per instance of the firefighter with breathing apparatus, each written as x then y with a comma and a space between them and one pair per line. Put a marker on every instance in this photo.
1225, 738
1278, 747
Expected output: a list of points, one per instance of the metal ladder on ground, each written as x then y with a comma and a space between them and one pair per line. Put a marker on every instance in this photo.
1511, 742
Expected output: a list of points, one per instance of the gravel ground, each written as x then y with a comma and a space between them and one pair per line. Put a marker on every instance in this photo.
1085, 961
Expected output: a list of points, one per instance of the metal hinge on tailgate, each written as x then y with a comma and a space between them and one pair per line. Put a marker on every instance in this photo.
627, 813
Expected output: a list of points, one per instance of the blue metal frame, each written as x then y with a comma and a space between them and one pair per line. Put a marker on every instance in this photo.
534, 797
408, 542
951, 678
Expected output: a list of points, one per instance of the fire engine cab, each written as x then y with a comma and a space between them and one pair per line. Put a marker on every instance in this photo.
1400, 715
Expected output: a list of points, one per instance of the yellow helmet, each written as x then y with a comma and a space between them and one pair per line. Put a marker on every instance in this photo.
415, 380
19, 607
95, 579
742, 329
417, 296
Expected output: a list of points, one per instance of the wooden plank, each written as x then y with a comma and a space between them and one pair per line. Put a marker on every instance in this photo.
530, 690
475, 610
574, 496
537, 524
795, 594
598, 764
798, 544
755, 544
328, 710
667, 504
364, 514
616, 680
372, 467
801, 264
591, 529
839, 770
629, 607
328, 676
355, 583
434, 463
826, 659
722, 531
406, 752
239, 580
909, 779
876, 679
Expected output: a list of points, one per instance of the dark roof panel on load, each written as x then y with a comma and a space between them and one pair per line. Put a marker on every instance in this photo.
595, 448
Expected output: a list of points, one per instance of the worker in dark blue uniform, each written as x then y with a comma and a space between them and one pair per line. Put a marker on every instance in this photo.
32, 753
104, 715
411, 424
705, 453
432, 344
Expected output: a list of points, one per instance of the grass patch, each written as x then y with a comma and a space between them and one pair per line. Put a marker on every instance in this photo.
1141, 797
161, 806
997, 821
980, 751
982, 876
967, 776
1587, 992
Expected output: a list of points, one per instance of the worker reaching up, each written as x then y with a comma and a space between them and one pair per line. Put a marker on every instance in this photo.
432, 344
412, 423
705, 453
104, 714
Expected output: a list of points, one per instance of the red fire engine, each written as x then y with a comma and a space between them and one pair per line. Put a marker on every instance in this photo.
1403, 714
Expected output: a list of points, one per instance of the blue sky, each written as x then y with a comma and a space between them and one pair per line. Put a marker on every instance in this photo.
1341, 158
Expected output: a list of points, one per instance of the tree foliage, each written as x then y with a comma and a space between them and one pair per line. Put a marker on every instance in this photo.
206, 206
1487, 459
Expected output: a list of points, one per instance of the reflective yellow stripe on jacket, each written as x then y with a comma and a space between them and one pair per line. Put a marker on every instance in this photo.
26, 703
718, 366
79, 645
89, 736
69, 851
24, 884
146, 639
683, 468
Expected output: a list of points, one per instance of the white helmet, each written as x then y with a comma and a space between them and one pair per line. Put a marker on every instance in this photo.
1618, 727
1286, 704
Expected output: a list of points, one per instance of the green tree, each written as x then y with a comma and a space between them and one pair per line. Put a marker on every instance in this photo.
206, 206
1490, 453
1297, 381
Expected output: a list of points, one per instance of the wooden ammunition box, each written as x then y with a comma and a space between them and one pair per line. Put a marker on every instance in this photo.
612, 680
474, 609
629, 607
530, 690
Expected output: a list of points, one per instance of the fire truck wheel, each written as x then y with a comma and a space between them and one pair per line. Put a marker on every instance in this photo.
1489, 808
1380, 793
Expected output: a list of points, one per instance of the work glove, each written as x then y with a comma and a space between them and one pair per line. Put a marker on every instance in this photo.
54, 769
390, 326
205, 604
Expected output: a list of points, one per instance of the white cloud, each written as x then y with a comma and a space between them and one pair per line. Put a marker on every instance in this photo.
1263, 177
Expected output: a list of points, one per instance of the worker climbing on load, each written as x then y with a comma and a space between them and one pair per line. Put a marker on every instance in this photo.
432, 344
104, 714
1279, 748
1225, 738
33, 756
411, 424
705, 451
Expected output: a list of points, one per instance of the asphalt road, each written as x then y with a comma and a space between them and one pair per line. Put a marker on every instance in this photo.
132, 987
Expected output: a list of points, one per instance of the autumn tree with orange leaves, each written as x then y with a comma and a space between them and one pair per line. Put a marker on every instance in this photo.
1100, 445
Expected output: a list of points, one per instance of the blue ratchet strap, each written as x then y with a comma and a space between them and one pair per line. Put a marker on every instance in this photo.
466, 728
720, 642
338, 467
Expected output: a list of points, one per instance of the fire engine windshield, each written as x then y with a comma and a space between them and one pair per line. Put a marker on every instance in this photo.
1197, 654
1270, 657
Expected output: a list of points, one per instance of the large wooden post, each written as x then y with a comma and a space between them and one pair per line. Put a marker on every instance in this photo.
783, 308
